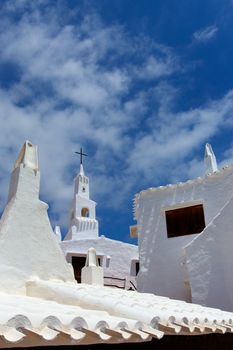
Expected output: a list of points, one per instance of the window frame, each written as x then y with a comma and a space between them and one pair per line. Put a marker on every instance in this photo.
185, 229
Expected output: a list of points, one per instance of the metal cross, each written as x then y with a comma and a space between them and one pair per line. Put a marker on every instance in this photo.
81, 155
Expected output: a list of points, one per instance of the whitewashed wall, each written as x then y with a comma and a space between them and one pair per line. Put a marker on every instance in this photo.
209, 261
161, 258
28, 247
120, 253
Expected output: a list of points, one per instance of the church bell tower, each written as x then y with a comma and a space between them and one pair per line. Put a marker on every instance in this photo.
82, 222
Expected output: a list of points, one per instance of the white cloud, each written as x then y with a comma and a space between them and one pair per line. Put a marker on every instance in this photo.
161, 66
174, 136
81, 85
227, 156
205, 34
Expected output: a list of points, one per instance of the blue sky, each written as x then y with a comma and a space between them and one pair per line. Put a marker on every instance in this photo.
140, 85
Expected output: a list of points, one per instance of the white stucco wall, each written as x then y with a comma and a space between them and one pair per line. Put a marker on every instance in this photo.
161, 258
120, 253
209, 262
28, 246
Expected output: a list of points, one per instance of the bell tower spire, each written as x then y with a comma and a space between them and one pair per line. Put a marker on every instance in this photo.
82, 181
83, 223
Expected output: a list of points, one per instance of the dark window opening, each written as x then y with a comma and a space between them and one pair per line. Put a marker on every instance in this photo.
78, 262
185, 221
85, 212
137, 266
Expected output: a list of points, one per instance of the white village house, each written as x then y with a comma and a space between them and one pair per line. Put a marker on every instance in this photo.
185, 237
42, 305
118, 259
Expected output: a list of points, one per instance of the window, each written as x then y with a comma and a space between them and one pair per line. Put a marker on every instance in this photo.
78, 263
185, 221
137, 267
134, 267
84, 189
85, 212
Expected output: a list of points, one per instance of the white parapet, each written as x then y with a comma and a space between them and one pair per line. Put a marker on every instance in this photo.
28, 156
210, 160
92, 273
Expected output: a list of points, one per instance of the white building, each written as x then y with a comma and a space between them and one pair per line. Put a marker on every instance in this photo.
118, 259
25, 219
41, 304
185, 236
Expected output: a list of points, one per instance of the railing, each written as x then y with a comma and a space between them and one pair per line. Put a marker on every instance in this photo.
132, 284
112, 282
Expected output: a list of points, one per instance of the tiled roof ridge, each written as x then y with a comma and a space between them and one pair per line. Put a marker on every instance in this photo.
73, 314
26, 319
156, 312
